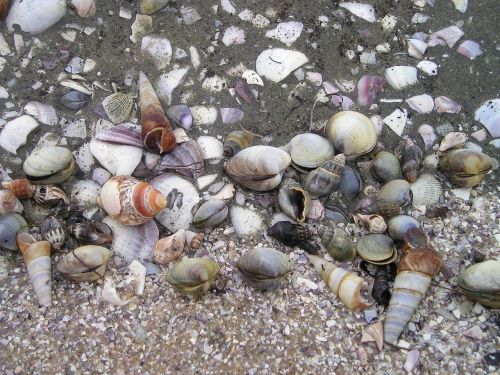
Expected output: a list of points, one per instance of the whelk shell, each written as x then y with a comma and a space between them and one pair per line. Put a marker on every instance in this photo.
288, 233
85, 263
326, 178
393, 196
49, 165
193, 275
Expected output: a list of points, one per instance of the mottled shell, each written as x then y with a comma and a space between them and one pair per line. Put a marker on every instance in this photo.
49, 165
376, 249
324, 179
210, 214
393, 196
258, 167
374, 223
481, 283
193, 275
385, 167
288, 233
399, 225
170, 248
10, 224
236, 141
351, 133
9, 202
338, 244
91, 232
85, 263
54, 232
118, 106
294, 201
466, 167
426, 191
264, 268
186, 158
309, 150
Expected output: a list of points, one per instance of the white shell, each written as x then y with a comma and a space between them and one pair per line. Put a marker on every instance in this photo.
227, 192
421, 103
426, 190
397, 120
245, 221
35, 16
118, 106
15, 133
461, 5
252, 78
233, 35
309, 150
489, 115
416, 48
84, 158
428, 67
231, 115
110, 295
228, 6
84, 193
470, 49
137, 276
211, 147
364, 11
204, 181
84, 8
286, 32
203, 115
142, 25
214, 83
44, 113
400, 77
443, 104
277, 63
75, 129
133, 241
447, 36
167, 83
158, 49
428, 135
117, 159
179, 216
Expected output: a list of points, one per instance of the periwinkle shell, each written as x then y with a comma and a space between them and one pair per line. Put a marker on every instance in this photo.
289, 233
193, 275
338, 244
10, 224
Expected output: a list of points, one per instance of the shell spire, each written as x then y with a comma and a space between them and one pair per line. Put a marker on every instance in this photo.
344, 284
157, 134
36, 256
415, 272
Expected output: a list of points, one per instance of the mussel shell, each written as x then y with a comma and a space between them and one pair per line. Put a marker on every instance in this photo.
309, 150
85, 263
49, 165
338, 244
210, 214
236, 141
294, 201
10, 224
351, 134
288, 233
75, 100
481, 283
376, 249
264, 268
466, 167
324, 179
351, 183
193, 275
399, 225
186, 158
394, 196
385, 167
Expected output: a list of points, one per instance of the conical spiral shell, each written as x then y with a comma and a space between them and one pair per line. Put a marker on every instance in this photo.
130, 201
345, 285
37, 259
288, 233
85, 263
193, 275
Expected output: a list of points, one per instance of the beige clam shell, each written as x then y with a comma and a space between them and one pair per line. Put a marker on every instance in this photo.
309, 150
118, 106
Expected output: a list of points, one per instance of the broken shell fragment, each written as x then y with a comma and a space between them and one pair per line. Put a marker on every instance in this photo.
400, 77
170, 248
193, 275
44, 113
35, 16
452, 140
277, 63
15, 133
85, 263
9, 202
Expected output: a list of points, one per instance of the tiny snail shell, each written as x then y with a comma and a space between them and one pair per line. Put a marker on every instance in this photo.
236, 141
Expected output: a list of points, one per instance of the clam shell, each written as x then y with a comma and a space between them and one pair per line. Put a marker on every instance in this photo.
85, 263
193, 275
118, 106
210, 214
186, 158
264, 268
376, 249
9, 226
34, 18
49, 165
9, 202
124, 134
309, 150
116, 158
181, 115
324, 179
75, 100
426, 191
385, 167
351, 134
466, 167
399, 225
481, 283
452, 140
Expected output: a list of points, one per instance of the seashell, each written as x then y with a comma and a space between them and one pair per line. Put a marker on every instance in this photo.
376, 249
75, 100
110, 295
54, 232
264, 268
77, 85
399, 225
90, 232
210, 214
168, 82
170, 248
288, 233
351, 134
130, 201
400, 77
44, 113
137, 276
338, 244
49, 165
10, 224
309, 150
233, 35
245, 221
245, 91
194, 240
415, 238
49, 195
84, 8
293, 200
186, 158
15, 133
428, 135
85, 193
211, 148
481, 283
85, 263
466, 167
142, 25
157, 133
236, 141
374, 223
181, 115
9, 202
350, 184
488, 114
381, 291
227, 192
385, 167
444, 104
258, 168
118, 106
415, 272
125, 134
151, 6
182, 196
231, 115
412, 160
452, 140
364, 11
428, 67
286, 32
393, 196
193, 275
4, 8
461, 5
426, 191
347, 286
368, 88
203, 115
326, 178
276, 64
421, 103
396, 121
35, 16
118, 159
374, 334
447, 36
416, 48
